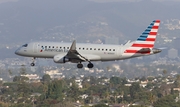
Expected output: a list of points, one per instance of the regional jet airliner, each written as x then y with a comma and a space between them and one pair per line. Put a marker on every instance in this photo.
82, 52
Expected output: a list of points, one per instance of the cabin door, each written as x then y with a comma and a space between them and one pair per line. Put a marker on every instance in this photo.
35, 47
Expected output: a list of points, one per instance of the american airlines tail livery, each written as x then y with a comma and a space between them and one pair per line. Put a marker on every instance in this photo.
81, 52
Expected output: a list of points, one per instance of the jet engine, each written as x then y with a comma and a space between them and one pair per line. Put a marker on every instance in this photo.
60, 59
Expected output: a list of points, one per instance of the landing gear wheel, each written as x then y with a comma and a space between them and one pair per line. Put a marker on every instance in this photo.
33, 60
80, 65
90, 65
32, 64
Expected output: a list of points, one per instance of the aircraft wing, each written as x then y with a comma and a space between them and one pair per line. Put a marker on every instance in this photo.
74, 54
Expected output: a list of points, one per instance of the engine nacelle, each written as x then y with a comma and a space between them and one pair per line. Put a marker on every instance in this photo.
60, 59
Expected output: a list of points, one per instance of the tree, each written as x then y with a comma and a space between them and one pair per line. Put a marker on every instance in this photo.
45, 89
177, 81
22, 70
117, 81
46, 78
10, 72
134, 89
143, 78
55, 90
152, 98
24, 89
167, 101
20, 79
73, 91
164, 72
100, 105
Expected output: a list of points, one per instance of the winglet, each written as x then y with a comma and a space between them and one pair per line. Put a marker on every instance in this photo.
73, 46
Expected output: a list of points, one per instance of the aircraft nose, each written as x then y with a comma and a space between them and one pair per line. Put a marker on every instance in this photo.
17, 52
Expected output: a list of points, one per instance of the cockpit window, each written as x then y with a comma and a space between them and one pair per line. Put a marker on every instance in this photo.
25, 45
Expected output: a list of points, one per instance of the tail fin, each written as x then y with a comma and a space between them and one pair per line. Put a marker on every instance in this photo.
148, 36
146, 39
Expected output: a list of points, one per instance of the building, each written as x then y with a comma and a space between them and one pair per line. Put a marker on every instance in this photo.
32, 77
54, 74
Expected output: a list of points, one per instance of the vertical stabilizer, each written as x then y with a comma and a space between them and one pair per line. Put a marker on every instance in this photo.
146, 40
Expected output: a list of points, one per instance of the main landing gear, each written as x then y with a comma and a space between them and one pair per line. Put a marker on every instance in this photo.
79, 65
90, 65
33, 60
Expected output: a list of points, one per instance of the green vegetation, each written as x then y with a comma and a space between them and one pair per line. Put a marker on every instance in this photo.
98, 92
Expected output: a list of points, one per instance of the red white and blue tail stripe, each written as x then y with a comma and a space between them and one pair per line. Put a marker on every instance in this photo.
146, 40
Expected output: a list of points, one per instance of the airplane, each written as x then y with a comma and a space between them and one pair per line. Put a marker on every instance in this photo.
84, 52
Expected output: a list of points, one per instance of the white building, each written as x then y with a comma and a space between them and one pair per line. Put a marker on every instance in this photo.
55, 74
32, 77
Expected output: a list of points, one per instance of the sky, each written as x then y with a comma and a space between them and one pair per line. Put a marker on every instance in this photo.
40, 19
3, 1
129, 0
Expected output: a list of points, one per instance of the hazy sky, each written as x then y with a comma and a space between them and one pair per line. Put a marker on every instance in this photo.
2, 1
128, 0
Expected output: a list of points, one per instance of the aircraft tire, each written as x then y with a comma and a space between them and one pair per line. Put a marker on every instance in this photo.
79, 65
32, 64
90, 65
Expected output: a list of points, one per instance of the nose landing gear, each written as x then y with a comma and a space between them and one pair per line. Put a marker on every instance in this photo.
33, 60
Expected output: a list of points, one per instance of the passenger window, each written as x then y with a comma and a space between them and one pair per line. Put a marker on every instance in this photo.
86, 48
56, 46
49, 46
102, 49
60, 47
99, 49
109, 49
83, 48
46, 47
79, 48
67, 47
53, 47
106, 49
94, 48
90, 48
113, 49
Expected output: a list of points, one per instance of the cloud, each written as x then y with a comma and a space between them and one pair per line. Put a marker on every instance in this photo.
3, 1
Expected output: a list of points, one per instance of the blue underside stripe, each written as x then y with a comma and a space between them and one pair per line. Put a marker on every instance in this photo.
140, 40
143, 36
146, 32
143, 39
152, 24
